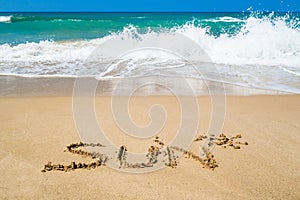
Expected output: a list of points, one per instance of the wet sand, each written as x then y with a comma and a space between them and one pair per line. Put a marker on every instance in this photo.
35, 130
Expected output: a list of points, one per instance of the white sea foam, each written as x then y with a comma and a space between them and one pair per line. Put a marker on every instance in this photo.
46, 57
5, 19
260, 42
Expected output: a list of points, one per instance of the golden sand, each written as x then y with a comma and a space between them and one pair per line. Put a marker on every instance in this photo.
35, 130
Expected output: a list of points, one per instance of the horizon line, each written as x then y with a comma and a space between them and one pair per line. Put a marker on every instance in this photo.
66, 11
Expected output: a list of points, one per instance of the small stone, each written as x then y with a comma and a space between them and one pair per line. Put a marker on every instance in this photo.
73, 165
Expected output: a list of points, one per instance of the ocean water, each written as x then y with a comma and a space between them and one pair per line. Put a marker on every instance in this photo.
256, 50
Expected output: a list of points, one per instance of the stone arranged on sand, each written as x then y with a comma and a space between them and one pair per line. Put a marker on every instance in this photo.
224, 141
153, 153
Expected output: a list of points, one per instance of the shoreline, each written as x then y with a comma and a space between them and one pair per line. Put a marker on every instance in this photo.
13, 86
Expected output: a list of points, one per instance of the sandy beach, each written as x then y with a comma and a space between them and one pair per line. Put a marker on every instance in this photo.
153, 100
35, 130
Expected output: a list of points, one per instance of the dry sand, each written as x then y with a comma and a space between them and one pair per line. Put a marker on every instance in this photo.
35, 130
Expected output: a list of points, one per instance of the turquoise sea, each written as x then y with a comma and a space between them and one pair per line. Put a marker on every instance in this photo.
260, 50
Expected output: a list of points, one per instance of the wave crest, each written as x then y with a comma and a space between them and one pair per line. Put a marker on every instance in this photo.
5, 19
